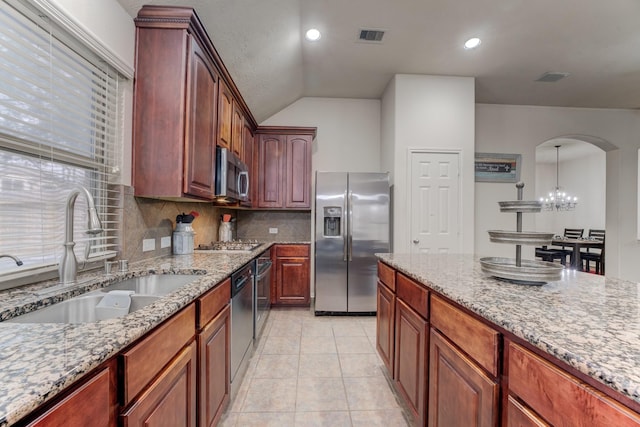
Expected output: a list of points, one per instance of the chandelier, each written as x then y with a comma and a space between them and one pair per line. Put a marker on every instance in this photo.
558, 199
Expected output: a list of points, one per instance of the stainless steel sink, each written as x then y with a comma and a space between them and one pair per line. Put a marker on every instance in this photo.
84, 308
153, 284
80, 309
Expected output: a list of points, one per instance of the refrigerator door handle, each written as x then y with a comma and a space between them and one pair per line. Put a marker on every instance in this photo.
350, 222
345, 228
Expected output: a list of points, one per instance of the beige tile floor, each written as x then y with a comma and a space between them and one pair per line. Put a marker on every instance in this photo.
315, 371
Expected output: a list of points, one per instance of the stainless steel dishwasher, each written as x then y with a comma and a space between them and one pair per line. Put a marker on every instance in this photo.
262, 293
241, 322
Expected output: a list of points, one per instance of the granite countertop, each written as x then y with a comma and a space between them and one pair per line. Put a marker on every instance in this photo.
37, 361
590, 322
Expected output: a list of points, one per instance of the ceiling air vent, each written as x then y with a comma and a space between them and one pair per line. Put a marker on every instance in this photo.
551, 77
374, 36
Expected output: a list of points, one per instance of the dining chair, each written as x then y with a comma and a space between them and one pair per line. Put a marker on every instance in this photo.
571, 233
550, 255
594, 254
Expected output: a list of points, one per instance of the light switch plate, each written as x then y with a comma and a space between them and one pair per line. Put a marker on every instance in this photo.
148, 245
165, 242
273, 230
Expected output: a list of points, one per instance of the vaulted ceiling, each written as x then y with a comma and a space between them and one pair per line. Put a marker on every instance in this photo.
262, 44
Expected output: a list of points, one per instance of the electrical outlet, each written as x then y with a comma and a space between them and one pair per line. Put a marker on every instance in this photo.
165, 242
273, 230
148, 245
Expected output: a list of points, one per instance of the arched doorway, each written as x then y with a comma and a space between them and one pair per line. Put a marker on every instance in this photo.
579, 167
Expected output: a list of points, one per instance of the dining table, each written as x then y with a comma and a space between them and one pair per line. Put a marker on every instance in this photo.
576, 245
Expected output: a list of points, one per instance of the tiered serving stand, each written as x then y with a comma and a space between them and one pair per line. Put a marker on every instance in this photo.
525, 272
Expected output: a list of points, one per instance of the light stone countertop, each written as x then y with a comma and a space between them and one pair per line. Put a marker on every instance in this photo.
590, 322
37, 361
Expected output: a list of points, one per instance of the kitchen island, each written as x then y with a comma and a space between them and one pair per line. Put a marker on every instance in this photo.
39, 361
585, 324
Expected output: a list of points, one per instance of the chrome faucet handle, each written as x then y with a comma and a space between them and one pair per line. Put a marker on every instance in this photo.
108, 265
123, 265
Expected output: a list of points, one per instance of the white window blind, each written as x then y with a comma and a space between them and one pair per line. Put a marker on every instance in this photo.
58, 125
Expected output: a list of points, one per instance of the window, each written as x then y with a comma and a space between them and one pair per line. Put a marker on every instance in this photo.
59, 122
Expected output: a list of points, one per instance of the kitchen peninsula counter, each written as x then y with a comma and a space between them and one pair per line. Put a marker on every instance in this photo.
589, 322
38, 361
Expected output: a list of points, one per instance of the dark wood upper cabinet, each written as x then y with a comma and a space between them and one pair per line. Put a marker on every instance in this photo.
174, 120
185, 103
283, 168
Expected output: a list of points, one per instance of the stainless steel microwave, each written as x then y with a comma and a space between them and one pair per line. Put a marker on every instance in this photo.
232, 177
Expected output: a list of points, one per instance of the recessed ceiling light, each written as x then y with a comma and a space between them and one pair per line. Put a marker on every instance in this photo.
312, 34
472, 43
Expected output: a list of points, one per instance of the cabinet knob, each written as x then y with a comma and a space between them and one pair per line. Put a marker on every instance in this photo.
416, 241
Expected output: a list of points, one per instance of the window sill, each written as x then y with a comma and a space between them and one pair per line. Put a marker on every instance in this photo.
48, 272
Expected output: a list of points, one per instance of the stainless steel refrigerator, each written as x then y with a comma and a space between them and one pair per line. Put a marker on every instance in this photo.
352, 224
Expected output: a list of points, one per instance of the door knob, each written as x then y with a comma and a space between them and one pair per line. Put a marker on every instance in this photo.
416, 241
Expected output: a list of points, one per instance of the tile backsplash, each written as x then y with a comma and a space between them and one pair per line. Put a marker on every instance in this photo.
154, 219
292, 226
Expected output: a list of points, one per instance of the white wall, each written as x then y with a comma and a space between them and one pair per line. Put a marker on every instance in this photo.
348, 136
519, 129
430, 112
585, 178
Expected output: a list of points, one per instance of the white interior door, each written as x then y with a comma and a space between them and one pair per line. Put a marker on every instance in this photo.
434, 205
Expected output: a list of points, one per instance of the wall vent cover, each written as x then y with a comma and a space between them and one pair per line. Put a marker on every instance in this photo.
551, 77
369, 35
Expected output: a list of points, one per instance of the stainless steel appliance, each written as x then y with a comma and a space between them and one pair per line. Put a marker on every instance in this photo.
262, 293
232, 177
241, 322
352, 224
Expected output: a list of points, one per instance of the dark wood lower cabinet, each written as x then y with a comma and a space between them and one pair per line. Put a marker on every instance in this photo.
170, 400
214, 363
385, 322
410, 360
293, 275
460, 393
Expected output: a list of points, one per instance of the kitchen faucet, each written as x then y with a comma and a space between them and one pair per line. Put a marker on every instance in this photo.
68, 268
15, 258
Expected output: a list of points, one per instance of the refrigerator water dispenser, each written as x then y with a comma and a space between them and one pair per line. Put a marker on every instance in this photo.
332, 221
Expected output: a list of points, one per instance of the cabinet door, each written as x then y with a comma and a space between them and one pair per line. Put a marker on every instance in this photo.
460, 393
90, 404
410, 359
298, 172
199, 179
225, 115
292, 275
385, 325
520, 416
247, 151
237, 125
213, 368
270, 171
171, 399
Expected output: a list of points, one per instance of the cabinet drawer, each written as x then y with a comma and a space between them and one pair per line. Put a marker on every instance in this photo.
146, 359
90, 404
414, 294
387, 275
472, 336
292, 250
560, 398
212, 302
